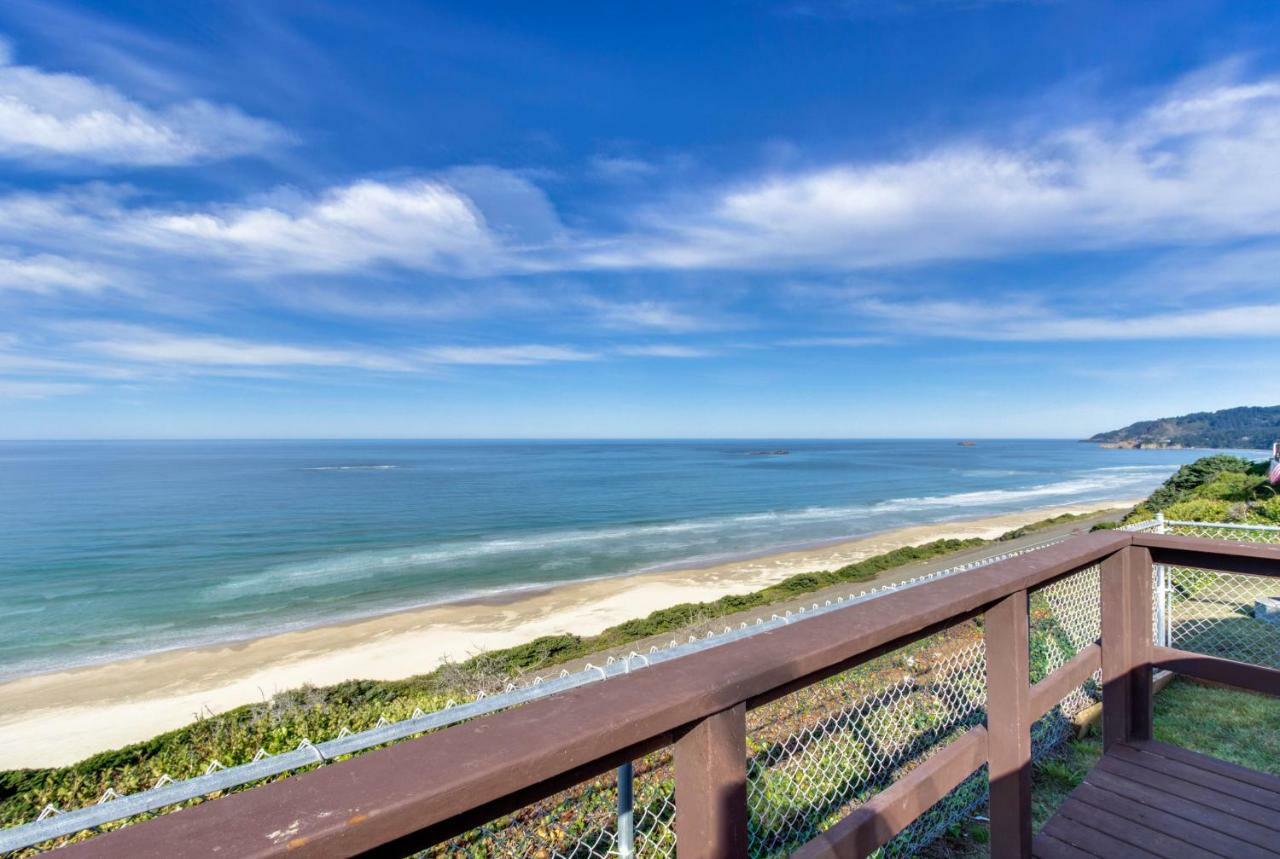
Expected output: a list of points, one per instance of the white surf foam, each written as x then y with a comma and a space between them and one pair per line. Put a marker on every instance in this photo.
702, 534
351, 467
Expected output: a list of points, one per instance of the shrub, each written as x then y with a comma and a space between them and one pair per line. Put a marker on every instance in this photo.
1230, 486
1268, 511
1041, 525
1195, 474
1200, 510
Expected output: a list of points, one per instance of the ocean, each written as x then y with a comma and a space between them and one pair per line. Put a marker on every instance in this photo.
113, 549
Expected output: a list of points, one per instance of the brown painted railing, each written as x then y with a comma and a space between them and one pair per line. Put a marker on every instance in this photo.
404, 798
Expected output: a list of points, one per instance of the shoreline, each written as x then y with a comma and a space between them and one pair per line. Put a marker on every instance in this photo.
60, 717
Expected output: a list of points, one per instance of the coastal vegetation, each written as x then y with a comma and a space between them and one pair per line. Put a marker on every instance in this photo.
1243, 428
278, 724
1218, 488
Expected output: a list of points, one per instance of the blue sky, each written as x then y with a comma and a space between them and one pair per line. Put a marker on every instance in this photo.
936, 218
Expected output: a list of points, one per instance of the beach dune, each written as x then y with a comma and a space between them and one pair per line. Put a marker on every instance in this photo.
58, 718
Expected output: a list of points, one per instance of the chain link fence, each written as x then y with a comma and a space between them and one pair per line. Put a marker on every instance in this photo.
628, 813
1230, 615
817, 753
1066, 617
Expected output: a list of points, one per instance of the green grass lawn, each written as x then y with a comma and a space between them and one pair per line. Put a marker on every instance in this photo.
1239, 727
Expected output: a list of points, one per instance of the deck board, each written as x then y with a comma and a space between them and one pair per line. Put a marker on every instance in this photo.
1205, 798
1149, 799
1260, 779
1241, 830
1171, 822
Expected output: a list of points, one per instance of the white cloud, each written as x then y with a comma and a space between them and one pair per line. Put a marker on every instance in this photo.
1195, 168
47, 273
643, 314
18, 363
52, 116
621, 168
146, 345
518, 355
666, 350
1014, 321
1244, 271
1198, 166
23, 390
513, 207
128, 351
420, 224
840, 342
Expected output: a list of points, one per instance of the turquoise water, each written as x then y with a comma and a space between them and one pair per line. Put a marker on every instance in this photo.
120, 548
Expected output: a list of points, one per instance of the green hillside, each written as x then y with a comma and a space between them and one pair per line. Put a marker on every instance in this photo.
1218, 488
1245, 427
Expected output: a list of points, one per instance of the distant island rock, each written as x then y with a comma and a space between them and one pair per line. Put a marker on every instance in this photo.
768, 452
967, 443
1244, 428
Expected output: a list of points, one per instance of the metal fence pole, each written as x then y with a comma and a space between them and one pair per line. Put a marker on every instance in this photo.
1162, 593
1162, 604
626, 819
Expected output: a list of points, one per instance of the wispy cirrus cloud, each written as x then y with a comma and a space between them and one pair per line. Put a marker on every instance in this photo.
618, 168
141, 344
74, 356
838, 342
1029, 321
666, 350
508, 355
423, 224
54, 117
48, 273
11, 389
644, 314
135, 345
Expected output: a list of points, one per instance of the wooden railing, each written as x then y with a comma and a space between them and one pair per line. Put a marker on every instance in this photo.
410, 796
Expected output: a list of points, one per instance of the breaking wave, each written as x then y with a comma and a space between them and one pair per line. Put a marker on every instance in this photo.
691, 538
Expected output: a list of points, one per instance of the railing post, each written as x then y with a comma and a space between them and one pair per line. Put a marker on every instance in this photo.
711, 787
626, 813
1009, 726
1126, 646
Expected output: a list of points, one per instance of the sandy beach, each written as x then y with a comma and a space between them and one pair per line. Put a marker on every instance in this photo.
59, 718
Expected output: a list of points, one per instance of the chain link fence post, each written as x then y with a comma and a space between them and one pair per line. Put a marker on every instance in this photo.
626, 819
1161, 592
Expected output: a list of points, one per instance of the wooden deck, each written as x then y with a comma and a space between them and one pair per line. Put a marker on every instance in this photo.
1148, 800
